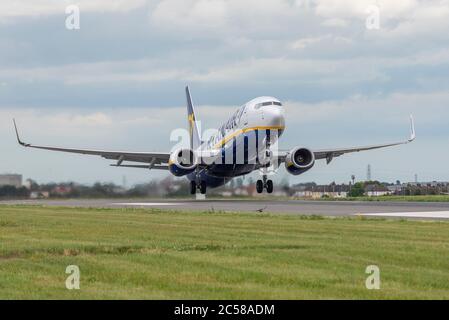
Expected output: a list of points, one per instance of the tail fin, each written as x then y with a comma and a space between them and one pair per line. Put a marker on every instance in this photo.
195, 140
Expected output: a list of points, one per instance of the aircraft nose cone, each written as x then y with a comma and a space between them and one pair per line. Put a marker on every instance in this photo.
276, 117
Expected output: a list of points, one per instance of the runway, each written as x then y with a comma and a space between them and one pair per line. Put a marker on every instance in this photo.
414, 210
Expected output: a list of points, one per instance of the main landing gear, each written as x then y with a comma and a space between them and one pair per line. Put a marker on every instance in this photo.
202, 186
264, 184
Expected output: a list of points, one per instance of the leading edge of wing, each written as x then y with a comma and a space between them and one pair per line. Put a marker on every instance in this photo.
326, 153
139, 156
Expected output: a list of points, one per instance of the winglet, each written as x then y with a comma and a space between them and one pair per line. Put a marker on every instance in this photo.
17, 135
412, 128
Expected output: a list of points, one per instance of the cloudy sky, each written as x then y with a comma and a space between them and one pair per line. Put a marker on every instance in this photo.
118, 81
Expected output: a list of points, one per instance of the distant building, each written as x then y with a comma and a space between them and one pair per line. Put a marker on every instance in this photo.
377, 190
433, 184
14, 180
314, 191
39, 195
396, 189
62, 190
320, 194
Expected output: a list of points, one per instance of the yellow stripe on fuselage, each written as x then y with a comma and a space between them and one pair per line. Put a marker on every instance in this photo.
240, 131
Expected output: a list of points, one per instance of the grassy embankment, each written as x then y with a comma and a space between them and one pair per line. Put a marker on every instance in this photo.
424, 198
136, 254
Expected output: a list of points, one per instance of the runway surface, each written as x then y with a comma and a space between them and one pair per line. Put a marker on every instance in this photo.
380, 209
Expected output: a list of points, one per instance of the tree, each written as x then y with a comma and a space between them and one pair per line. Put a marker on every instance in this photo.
11, 192
357, 190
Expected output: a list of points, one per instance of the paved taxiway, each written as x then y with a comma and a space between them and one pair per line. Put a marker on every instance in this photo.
343, 208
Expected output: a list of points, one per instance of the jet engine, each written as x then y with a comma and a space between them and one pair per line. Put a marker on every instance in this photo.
182, 162
299, 160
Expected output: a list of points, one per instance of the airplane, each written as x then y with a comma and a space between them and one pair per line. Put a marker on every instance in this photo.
246, 142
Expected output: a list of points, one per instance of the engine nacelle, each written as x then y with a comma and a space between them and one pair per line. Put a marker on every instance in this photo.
182, 162
299, 160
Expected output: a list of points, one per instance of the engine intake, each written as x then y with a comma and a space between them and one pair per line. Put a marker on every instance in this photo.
182, 162
299, 160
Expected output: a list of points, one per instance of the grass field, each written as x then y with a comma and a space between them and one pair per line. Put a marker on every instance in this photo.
391, 198
150, 254
423, 198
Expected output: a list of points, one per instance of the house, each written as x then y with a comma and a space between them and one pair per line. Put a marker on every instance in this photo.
318, 192
62, 190
377, 190
14, 180
39, 195
396, 189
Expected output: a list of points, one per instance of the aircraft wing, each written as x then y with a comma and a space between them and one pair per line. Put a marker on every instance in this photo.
330, 154
155, 160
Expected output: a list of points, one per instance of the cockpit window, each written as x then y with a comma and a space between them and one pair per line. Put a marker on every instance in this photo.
270, 103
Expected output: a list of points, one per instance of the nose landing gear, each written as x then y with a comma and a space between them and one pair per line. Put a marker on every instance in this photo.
264, 184
192, 187
202, 186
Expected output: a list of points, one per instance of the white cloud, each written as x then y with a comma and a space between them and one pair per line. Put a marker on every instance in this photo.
105, 72
305, 42
428, 108
90, 120
357, 9
20, 8
335, 22
324, 71
203, 18
328, 39
234, 18
428, 20
186, 13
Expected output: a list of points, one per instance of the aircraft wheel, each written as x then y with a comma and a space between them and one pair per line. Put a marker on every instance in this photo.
203, 187
259, 186
192, 187
270, 186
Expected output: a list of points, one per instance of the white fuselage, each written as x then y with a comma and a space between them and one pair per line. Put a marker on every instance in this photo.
240, 144
263, 113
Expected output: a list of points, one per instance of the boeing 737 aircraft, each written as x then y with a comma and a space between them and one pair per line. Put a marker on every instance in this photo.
244, 143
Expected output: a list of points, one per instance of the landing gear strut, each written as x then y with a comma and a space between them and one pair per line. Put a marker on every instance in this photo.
202, 186
192, 187
264, 184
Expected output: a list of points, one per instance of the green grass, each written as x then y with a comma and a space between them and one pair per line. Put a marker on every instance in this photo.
423, 198
152, 254
420, 198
